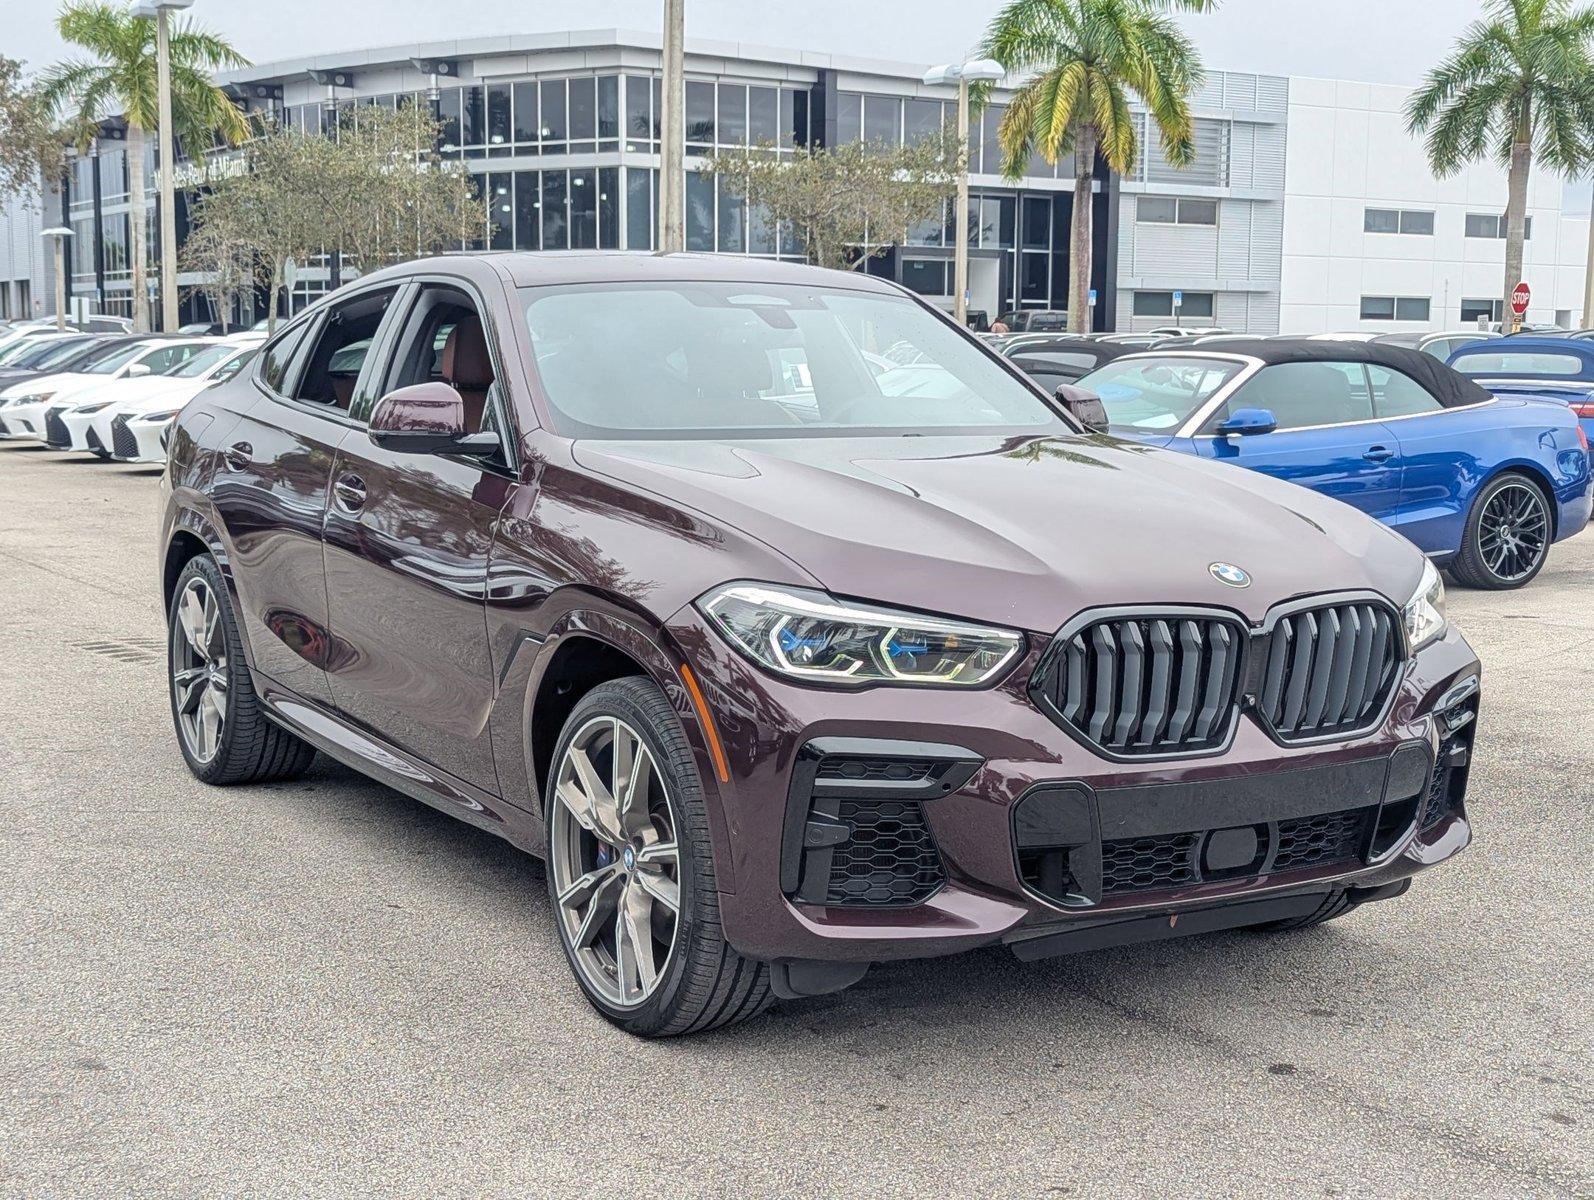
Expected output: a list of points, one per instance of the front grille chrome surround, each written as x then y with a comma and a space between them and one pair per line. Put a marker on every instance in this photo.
1146, 683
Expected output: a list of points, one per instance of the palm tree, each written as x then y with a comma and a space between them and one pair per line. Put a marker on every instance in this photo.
118, 75
1519, 84
1085, 58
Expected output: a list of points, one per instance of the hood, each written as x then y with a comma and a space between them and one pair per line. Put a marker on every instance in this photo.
1023, 532
59, 382
137, 395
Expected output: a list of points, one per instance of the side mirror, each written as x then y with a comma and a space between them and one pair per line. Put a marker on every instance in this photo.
1085, 407
1246, 421
138, 370
426, 418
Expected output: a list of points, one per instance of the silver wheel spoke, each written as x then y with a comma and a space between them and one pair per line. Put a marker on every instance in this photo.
604, 902
633, 939
583, 889
192, 617
661, 888
575, 804
189, 685
633, 802
601, 807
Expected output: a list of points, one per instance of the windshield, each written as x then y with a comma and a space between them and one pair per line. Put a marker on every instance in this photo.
1157, 394
691, 360
22, 347
53, 354
203, 362
111, 363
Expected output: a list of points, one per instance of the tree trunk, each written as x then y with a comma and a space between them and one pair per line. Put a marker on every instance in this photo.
271, 306
1079, 244
1516, 209
136, 224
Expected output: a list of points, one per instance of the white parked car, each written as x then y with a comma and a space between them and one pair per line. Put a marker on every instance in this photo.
129, 428
25, 408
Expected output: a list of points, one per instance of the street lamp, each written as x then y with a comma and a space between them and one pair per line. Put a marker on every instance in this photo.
157, 10
978, 70
58, 235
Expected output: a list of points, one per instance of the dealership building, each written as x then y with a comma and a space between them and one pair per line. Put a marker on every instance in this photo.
1308, 206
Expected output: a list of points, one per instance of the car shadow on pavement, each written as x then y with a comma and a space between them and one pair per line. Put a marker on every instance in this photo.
978, 994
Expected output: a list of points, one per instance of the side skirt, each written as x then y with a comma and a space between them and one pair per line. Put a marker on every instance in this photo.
384, 762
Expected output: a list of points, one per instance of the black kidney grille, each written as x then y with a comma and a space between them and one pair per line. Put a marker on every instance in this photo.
1149, 685
123, 443
56, 435
1329, 670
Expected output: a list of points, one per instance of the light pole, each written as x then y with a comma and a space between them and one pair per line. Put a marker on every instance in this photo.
157, 11
58, 235
978, 70
672, 129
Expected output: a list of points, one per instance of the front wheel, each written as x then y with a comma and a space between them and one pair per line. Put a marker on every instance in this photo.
631, 873
1507, 538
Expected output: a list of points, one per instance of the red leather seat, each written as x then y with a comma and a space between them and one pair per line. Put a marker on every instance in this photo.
468, 368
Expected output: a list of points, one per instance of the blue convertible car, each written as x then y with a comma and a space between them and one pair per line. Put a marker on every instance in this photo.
1554, 368
1482, 483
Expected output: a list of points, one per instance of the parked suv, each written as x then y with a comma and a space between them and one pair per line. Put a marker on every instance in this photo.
796, 630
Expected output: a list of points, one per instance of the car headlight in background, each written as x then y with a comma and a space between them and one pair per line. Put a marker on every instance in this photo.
31, 398
816, 638
1425, 611
157, 418
85, 409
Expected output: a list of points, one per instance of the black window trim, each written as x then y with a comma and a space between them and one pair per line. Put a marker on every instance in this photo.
510, 433
315, 319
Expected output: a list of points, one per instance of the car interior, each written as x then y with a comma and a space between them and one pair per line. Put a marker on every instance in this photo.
333, 367
444, 342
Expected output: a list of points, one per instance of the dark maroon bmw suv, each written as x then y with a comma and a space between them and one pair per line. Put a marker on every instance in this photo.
794, 629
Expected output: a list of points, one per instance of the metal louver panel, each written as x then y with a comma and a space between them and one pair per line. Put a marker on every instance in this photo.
1147, 685
1329, 670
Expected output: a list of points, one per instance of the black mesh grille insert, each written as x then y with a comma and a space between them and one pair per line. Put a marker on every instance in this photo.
1176, 859
1148, 685
1312, 841
1138, 864
123, 443
1329, 670
898, 770
890, 857
55, 432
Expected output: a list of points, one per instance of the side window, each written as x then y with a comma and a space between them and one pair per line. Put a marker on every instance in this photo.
445, 341
166, 359
1441, 348
1301, 395
1398, 395
232, 366
341, 347
274, 359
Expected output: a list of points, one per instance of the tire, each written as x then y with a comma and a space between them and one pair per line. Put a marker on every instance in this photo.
246, 746
1514, 502
1337, 904
618, 852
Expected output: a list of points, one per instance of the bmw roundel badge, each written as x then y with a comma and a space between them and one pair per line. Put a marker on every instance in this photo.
1230, 574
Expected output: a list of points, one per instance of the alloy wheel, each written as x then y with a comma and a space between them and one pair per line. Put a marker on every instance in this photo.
199, 670
614, 861
1513, 531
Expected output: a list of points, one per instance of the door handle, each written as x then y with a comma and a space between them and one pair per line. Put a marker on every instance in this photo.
350, 491
238, 456
1379, 454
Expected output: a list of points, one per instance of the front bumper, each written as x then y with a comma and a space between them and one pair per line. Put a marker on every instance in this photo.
1015, 831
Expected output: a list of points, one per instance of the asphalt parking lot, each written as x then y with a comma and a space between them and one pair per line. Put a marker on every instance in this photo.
324, 988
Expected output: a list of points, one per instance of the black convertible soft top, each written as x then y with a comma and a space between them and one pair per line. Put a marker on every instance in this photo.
1450, 388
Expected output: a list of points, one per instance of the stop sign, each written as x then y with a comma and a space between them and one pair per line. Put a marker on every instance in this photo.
1520, 295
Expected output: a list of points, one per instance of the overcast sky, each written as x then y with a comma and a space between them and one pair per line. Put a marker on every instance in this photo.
1384, 41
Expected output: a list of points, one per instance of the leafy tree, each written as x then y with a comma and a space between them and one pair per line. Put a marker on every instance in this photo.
1083, 59
223, 251
118, 75
846, 204
30, 143
396, 197
1518, 84
376, 190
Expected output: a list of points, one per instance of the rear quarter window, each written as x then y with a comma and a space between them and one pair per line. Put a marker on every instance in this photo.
274, 358
1518, 362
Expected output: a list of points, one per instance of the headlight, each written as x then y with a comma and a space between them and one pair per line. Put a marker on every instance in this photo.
157, 418
816, 638
91, 408
1425, 611
31, 398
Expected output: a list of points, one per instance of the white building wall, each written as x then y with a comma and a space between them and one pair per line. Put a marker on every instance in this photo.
27, 283
1349, 151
